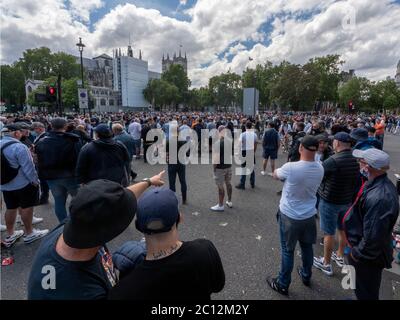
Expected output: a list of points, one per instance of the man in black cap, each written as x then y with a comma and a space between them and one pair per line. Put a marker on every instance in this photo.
296, 214
73, 262
57, 154
337, 190
172, 269
104, 158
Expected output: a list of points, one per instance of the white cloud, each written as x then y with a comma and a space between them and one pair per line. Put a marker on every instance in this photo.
82, 8
298, 30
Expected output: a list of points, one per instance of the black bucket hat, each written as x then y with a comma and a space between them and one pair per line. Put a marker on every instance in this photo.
100, 211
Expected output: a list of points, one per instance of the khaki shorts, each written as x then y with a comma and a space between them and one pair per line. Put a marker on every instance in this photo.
222, 176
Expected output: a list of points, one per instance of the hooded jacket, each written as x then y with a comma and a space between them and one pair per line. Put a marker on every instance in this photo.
57, 154
104, 159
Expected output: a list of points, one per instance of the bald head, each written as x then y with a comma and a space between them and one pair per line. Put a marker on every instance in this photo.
117, 128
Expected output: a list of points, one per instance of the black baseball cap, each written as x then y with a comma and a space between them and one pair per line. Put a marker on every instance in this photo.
310, 142
100, 211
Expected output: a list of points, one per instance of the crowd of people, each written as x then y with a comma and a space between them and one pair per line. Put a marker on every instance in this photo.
336, 173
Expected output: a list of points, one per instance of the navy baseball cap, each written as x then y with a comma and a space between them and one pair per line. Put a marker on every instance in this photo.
157, 211
359, 134
103, 130
343, 137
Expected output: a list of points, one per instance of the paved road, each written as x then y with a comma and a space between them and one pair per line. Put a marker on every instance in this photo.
246, 236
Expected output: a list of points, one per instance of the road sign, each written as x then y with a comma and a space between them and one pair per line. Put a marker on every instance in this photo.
83, 98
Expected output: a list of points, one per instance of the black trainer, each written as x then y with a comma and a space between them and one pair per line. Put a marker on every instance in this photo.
239, 186
307, 283
274, 284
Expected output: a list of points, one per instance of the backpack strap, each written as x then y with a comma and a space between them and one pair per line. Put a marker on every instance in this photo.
4, 146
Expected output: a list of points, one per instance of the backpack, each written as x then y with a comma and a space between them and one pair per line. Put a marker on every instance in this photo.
8, 173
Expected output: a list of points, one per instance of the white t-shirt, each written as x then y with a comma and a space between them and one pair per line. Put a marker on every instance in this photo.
299, 194
135, 129
248, 139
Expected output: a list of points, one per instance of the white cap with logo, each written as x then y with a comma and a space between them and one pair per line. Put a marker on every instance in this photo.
375, 158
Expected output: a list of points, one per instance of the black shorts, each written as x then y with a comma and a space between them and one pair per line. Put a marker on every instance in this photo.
25, 198
269, 153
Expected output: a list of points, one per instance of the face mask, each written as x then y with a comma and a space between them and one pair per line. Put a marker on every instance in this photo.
33, 134
364, 172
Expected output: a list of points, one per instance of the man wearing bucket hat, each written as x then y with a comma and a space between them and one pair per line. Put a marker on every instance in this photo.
172, 269
368, 227
73, 262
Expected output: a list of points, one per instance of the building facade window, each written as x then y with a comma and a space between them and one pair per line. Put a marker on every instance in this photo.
103, 102
111, 102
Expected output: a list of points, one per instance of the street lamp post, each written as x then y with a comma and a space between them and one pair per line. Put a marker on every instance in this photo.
80, 46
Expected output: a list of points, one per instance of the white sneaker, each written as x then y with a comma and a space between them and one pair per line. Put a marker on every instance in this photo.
229, 204
217, 208
263, 173
35, 220
35, 235
270, 174
10, 240
3, 228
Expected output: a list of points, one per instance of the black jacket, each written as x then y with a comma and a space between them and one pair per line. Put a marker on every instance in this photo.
104, 159
341, 173
369, 226
57, 154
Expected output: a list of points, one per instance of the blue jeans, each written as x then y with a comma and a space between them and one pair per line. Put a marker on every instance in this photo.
252, 175
60, 188
252, 179
287, 260
137, 144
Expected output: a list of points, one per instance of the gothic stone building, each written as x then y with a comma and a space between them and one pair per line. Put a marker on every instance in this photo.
99, 71
167, 62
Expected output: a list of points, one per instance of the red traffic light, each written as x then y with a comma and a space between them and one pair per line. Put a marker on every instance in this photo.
52, 91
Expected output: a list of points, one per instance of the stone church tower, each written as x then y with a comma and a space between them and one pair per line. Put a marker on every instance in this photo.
167, 62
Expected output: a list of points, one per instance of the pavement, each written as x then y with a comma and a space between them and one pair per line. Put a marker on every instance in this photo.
246, 236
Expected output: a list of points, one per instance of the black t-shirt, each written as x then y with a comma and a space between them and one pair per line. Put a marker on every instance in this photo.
74, 280
193, 272
222, 163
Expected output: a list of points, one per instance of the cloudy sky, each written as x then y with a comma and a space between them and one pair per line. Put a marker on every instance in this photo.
218, 35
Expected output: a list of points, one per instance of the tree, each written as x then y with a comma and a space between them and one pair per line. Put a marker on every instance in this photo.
381, 91
356, 90
261, 78
12, 85
286, 90
176, 76
41, 64
329, 76
65, 65
226, 89
70, 93
161, 93
391, 102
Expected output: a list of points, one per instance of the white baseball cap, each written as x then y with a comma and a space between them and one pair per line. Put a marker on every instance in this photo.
375, 158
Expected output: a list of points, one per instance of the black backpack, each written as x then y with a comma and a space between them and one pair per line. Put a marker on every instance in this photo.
8, 173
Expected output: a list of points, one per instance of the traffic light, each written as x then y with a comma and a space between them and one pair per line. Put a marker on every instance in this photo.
51, 93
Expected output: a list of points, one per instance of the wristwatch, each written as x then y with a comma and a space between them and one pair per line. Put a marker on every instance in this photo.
148, 181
